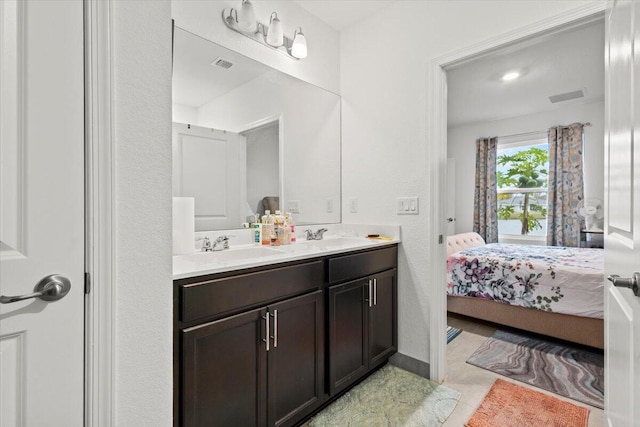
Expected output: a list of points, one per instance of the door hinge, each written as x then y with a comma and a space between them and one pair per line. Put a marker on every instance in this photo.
87, 283
440, 239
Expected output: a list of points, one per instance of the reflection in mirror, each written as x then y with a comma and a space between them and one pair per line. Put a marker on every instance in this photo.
247, 138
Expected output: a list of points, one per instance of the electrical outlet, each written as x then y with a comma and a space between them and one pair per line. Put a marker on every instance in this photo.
329, 205
407, 206
353, 205
293, 206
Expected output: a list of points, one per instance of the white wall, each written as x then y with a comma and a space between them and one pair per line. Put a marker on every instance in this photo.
383, 74
461, 146
143, 306
184, 114
321, 67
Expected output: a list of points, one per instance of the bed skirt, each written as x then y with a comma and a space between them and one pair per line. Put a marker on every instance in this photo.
581, 330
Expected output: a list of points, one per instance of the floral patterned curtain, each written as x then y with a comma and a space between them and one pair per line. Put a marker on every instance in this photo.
566, 185
485, 211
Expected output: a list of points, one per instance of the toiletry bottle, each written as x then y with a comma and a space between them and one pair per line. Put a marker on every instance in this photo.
267, 228
292, 227
286, 232
277, 225
257, 233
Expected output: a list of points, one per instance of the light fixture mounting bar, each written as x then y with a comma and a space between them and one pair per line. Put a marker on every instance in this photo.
230, 19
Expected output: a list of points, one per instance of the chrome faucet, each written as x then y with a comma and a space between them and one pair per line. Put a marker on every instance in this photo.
315, 236
223, 241
206, 244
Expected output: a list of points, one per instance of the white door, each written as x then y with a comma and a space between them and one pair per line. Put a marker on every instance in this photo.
210, 165
41, 211
450, 214
622, 223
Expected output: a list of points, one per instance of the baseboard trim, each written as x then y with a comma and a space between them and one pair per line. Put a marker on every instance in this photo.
410, 364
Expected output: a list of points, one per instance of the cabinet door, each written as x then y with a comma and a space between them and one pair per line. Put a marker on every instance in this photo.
224, 372
383, 318
347, 337
295, 361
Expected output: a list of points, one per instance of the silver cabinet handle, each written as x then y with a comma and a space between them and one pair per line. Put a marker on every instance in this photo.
370, 293
632, 282
266, 338
375, 291
50, 288
275, 328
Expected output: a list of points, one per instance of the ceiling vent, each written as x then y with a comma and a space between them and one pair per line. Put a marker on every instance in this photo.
222, 63
567, 96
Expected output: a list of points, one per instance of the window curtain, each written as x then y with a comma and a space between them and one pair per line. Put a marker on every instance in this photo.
485, 211
566, 185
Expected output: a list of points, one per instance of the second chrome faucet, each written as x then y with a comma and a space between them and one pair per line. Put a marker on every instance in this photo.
315, 236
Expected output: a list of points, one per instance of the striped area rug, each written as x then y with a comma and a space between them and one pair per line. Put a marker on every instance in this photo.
576, 373
452, 333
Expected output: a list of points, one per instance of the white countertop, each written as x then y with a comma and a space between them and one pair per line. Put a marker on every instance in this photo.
239, 257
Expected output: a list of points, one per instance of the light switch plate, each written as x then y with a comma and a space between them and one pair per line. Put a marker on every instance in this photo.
329, 205
407, 206
293, 206
353, 205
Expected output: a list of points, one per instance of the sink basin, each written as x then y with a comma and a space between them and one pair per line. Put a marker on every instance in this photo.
230, 255
336, 243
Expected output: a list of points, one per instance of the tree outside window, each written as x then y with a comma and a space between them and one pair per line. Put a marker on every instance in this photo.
522, 177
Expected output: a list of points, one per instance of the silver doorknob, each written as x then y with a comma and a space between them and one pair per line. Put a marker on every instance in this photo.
632, 282
450, 219
50, 288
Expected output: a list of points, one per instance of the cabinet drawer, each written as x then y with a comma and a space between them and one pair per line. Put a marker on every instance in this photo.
232, 294
349, 267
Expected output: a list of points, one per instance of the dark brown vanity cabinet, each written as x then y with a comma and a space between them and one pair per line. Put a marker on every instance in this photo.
250, 348
231, 377
224, 372
362, 317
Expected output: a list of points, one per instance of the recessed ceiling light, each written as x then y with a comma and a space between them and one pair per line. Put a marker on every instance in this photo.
512, 75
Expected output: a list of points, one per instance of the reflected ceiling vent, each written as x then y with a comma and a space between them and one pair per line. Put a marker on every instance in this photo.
568, 96
222, 63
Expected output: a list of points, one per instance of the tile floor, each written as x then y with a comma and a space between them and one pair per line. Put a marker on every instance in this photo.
474, 382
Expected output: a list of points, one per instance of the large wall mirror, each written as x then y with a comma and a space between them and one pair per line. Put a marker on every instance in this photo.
247, 137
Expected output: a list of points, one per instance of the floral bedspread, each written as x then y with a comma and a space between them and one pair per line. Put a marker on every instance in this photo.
548, 278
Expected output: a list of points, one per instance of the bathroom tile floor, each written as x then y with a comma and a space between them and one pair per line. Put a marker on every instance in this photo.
474, 382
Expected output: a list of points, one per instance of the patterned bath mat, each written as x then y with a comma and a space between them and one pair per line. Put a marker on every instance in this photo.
510, 405
390, 397
452, 333
572, 372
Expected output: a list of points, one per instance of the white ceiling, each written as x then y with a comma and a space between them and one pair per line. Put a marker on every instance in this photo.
196, 81
555, 64
341, 14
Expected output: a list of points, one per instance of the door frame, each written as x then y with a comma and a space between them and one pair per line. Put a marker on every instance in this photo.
437, 158
100, 251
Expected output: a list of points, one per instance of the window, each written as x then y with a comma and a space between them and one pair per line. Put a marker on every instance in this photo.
522, 175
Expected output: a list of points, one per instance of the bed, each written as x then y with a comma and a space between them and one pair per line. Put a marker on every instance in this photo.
554, 291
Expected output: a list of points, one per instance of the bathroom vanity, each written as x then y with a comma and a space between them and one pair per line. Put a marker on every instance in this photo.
270, 342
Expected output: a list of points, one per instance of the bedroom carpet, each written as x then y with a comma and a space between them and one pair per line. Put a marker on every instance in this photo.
510, 405
390, 397
452, 333
572, 372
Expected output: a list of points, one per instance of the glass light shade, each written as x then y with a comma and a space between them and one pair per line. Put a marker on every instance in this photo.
299, 46
247, 17
275, 35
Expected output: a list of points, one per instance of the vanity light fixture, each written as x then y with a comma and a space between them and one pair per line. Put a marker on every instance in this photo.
246, 18
512, 75
299, 47
275, 36
244, 21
